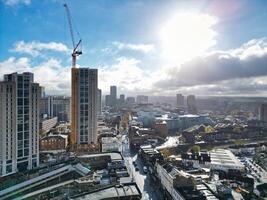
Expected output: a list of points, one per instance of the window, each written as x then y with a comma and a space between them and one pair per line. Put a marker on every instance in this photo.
20, 153
20, 144
20, 93
26, 110
8, 168
26, 143
26, 101
20, 102
26, 135
26, 93
26, 152
20, 110
20, 127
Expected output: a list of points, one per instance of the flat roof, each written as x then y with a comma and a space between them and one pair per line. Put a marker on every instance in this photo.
109, 139
122, 191
54, 151
224, 157
113, 155
38, 179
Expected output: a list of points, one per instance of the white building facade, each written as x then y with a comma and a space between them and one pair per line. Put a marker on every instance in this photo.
167, 181
19, 123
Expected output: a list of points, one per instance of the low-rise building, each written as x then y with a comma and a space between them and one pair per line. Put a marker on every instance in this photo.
54, 142
109, 144
123, 191
142, 136
176, 184
225, 160
92, 176
161, 128
182, 122
196, 160
62, 128
218, 159
150, 156
47, 124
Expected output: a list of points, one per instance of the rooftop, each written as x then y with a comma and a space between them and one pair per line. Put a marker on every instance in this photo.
113, 155
224, 157
111, 192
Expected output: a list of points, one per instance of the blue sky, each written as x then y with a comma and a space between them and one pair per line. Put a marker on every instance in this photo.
123, 40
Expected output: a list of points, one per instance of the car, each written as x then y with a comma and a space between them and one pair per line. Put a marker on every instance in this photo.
145, 169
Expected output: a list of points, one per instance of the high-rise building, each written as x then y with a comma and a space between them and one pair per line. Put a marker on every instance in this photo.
99, 101
122, 99
113, 95
42, 92
141, 99
191, 104
61, 108
19, 123
56, 106
130, 100
107, 100
46, 107
180, 101
263, 112
83, 106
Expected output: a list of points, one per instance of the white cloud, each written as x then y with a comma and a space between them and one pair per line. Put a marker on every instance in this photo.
55, 77
50, 73
14, 65
35, 48
254, 86
16, 2
236, 71
127, 74
247, 61
145, 48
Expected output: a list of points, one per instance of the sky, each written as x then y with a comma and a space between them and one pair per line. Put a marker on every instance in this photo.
153, 47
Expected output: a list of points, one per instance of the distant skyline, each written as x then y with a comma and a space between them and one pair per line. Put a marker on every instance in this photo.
204, 47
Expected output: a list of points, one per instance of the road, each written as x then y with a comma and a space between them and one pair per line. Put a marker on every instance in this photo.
149, 190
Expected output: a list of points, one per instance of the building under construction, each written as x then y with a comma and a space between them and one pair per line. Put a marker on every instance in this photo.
84, 88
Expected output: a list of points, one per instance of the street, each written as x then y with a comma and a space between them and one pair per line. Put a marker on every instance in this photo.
149, 189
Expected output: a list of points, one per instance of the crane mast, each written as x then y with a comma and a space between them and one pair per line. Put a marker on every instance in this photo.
75, 51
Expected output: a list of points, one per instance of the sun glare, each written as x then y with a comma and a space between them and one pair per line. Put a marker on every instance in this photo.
187, 35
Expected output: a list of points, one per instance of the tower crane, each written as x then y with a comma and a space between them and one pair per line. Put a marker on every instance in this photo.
76, 52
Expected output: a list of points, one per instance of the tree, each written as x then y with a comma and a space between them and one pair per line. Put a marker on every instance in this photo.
237, 129
239, 142
165, 152
195, 149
